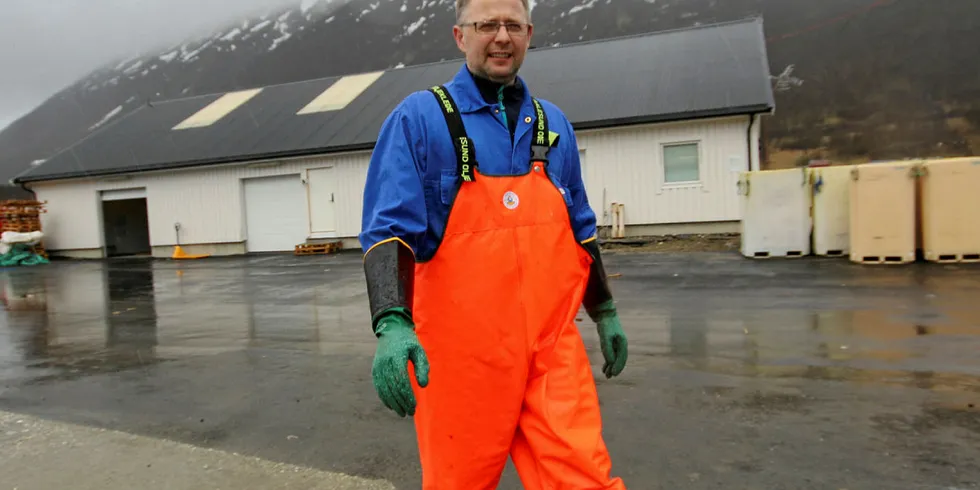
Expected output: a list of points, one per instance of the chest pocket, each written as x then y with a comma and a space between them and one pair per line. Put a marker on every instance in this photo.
440, 185
447, 186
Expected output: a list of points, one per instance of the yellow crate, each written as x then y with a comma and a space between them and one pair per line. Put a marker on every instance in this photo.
951, 210
883, 212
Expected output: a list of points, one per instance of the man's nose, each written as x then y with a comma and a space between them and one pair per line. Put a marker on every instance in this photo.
502, 36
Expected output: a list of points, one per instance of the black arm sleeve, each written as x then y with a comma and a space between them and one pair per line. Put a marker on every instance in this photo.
390, 272
597, 290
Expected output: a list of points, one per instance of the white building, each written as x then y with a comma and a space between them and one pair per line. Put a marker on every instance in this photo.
664, 123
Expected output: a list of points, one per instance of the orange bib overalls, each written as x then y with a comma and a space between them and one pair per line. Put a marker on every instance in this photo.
494, 311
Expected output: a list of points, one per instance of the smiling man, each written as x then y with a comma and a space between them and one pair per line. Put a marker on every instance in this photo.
479, 248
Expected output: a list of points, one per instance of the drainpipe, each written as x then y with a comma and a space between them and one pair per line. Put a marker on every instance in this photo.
23, 186
748, 140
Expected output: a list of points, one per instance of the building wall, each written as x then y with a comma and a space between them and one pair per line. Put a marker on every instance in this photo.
619, 165
626, 166
207, 202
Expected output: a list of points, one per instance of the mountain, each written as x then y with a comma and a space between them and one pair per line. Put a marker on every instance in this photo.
855, 79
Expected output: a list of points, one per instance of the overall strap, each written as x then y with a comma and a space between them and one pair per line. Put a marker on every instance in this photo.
465, 152
540, 144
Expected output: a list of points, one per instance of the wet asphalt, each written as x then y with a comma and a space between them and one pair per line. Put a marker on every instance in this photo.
805, 373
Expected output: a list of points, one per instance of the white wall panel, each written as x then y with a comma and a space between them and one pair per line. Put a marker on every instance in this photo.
626, 166
72, 220
207, 202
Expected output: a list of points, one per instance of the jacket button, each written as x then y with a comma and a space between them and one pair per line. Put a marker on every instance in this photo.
527, 119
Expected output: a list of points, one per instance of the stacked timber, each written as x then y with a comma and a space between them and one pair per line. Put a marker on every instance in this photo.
23, 216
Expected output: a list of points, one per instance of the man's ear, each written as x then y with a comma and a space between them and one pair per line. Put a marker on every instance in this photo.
458, 35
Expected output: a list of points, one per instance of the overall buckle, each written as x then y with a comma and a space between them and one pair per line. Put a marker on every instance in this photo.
539, 153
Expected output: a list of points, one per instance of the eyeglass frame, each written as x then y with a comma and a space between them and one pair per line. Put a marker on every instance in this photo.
522, 28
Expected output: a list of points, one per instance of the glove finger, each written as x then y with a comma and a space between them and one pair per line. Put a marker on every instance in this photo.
384, 391
377, 378
402, 387
606, 370
605, 344
421, 363
621, 355
391, 386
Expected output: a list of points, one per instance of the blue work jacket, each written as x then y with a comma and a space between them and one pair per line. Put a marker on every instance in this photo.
412, 176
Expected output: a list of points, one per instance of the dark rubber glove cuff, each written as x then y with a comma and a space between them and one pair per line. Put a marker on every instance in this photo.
604, 310
598, 297
389, 269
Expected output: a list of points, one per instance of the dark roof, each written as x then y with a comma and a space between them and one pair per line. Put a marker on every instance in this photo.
705, 71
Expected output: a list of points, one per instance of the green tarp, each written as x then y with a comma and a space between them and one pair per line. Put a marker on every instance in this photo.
21, 254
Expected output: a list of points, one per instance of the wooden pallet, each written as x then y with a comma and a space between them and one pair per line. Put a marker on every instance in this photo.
39, 249
19, 228
955, 258
21, 216
317, 248
885, 260
784, 254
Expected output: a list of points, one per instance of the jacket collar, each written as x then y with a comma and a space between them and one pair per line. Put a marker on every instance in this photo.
468, 96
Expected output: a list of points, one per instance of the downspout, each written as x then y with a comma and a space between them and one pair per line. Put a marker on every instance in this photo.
748, 140
23, 186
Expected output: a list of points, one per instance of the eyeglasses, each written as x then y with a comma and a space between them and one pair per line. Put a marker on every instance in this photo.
493, 27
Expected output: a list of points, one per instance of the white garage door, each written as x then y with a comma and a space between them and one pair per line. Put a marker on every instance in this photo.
275, 213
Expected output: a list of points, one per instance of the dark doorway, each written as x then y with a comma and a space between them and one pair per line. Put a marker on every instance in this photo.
127, 228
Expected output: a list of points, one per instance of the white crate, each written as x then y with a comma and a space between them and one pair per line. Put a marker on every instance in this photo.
831, 210
775, 213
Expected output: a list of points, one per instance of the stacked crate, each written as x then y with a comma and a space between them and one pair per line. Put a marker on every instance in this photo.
23, 216
882, 212
882, 221
775, 213
950, 209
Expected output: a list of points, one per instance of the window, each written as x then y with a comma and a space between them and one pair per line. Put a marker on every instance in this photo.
681, 163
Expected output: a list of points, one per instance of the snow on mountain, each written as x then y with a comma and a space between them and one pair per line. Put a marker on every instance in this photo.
587, 5
106, 118
832, 45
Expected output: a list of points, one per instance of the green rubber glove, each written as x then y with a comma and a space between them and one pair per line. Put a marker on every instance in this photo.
397, 344
612, 340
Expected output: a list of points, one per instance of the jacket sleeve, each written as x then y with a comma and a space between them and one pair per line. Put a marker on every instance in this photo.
394, 199
393, 219
582, 216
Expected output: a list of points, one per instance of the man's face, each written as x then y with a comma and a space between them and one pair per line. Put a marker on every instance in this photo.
494, 55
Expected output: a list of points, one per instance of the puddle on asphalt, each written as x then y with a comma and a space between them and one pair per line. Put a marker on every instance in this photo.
81, 318
931, 348
77, 319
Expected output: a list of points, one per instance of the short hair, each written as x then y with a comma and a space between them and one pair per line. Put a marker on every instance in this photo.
462, 4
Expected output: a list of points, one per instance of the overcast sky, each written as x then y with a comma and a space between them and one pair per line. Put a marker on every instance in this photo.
48, 44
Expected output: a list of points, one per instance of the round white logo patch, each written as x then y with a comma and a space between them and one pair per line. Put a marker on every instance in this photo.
511, 200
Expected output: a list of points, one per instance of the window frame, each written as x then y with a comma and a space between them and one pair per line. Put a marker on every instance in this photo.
699, 182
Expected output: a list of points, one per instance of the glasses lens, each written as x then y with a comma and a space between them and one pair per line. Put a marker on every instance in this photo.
487, 27
492, 27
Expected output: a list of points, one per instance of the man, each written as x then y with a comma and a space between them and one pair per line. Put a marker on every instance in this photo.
479, 247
